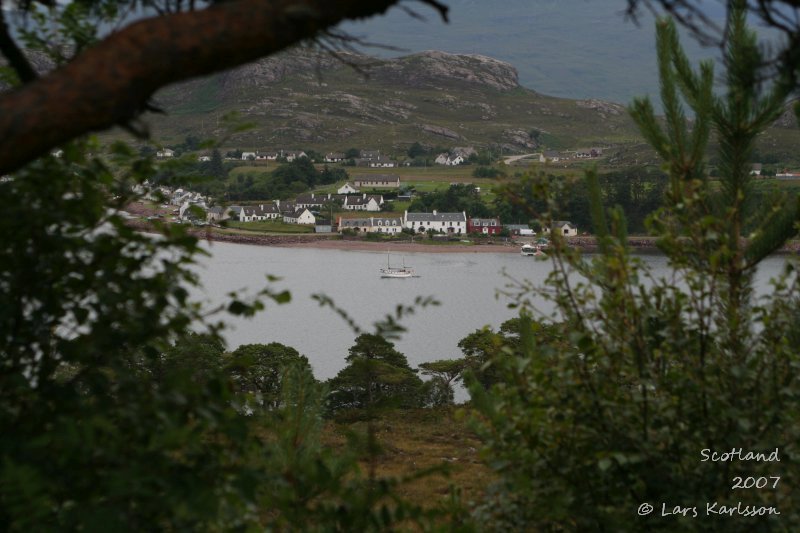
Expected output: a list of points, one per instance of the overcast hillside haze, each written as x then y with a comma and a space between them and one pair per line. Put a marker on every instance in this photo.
517, 75
304, 99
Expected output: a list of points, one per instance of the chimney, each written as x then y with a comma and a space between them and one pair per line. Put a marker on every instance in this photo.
434, 212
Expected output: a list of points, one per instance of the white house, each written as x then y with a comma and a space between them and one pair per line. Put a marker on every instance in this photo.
334, 157
165, 153
215, 214
256, 213
567, 229
448, 160
390, 225
455, 223
381, 162
347, 189
311, 201
204, 158
291, 155
549, 156
369, 155
299, 216
249, 156
363, 203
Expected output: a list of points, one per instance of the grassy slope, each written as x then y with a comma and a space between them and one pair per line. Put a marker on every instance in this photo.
310, 113
420, 439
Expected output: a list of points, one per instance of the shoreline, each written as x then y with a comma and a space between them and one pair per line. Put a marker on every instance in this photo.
644, 245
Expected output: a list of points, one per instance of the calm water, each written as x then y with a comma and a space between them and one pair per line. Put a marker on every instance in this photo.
466, 285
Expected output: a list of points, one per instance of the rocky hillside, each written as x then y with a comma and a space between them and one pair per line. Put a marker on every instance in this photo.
310, 100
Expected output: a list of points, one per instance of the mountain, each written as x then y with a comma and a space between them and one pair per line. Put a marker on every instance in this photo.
305, 99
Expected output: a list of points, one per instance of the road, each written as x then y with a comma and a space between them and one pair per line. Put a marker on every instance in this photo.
513, 158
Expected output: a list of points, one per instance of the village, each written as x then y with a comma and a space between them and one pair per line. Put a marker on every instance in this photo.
309, 210
364, 204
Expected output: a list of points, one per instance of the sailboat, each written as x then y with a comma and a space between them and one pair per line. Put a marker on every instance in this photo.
396, 272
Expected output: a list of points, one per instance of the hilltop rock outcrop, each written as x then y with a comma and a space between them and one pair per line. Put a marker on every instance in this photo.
433, 68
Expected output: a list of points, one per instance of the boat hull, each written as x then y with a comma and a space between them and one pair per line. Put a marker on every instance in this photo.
396, 273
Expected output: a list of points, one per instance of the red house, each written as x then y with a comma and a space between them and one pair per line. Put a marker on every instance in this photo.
487, 226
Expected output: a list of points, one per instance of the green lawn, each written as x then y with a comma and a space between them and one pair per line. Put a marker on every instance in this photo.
270, 227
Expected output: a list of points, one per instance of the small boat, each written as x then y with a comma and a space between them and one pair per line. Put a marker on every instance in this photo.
529, 249
396, 272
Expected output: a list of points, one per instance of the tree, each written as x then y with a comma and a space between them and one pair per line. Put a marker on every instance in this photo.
257, 371
616, 408
377, 375
444, 373
111, 82
215, 166
416, 150
197, 355
107, 422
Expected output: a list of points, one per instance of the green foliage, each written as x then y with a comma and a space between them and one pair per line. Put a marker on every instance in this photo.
104, 435
487, 172
377, 375
115, 416
416, 150
612, 409
258, 370
457, 198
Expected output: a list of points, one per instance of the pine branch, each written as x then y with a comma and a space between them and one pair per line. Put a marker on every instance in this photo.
777, 228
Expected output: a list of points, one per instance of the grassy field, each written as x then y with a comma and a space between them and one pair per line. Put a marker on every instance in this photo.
269, 227
425, 438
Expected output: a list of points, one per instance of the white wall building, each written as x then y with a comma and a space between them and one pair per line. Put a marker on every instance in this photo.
455, 223
392, 225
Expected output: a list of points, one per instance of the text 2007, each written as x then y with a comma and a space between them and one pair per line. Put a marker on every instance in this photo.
755, 482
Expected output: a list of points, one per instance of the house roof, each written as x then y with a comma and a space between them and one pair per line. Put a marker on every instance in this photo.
378, 177
516, 226
362, 200
259, 210
311, 199
436, 217
371, 221
297, 213
483, 221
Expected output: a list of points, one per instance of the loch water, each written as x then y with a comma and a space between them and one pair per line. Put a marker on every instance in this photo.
468, 287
